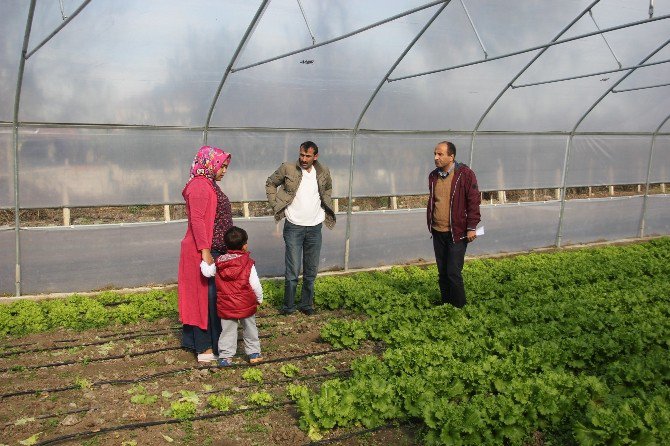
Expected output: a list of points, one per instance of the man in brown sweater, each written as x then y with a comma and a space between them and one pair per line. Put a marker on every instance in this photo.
453, 215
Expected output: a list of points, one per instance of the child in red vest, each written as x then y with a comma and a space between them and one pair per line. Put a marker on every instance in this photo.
238, 294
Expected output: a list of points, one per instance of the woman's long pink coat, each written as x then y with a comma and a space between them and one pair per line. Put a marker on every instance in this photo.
192, 286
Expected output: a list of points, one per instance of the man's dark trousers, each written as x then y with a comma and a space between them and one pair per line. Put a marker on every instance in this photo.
450, 257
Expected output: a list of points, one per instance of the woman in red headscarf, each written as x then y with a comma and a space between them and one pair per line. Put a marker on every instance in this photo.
209, 217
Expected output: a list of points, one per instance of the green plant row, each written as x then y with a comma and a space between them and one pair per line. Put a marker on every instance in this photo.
572, 344
83, 312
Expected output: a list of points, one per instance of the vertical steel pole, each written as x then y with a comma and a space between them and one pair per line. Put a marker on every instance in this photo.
360, 119
646, 185
15, 137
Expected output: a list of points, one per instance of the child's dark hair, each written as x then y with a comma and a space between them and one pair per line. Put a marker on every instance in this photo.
235, 238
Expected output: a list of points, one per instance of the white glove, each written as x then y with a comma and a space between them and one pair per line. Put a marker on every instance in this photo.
208, 270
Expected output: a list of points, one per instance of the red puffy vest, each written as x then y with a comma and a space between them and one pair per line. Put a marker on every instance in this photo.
234, 297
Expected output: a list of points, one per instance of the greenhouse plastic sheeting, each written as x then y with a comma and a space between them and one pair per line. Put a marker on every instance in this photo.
605, 159
111, 101
95, 257
256, 154
6, 168
657, 217
399, 163
516, 227
504, 162
94, 167
660, 162
601, 219
8, 265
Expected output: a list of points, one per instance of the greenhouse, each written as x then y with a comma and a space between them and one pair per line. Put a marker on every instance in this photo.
131, 309
105, 103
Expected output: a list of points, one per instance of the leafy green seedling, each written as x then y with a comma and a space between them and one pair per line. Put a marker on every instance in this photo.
289, 370
253, 376
260, 399
221, 403
296, 392
182, 410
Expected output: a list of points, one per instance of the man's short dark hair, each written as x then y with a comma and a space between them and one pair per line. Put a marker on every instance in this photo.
235, 238
309, 145
451, 148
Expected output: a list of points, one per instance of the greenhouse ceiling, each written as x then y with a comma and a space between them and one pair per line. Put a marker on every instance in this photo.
400, 65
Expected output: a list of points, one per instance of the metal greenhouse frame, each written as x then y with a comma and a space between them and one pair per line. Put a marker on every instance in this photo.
531, 99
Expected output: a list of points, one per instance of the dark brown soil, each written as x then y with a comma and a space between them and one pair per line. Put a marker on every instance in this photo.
97, 405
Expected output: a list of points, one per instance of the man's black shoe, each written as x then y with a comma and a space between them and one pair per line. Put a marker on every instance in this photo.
307, 312
286, 312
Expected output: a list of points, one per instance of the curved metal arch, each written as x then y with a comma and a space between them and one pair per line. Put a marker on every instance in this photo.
245, 38
360, 119
342, 37
15, 137
534, 48
646, 185
523, 70
559, 232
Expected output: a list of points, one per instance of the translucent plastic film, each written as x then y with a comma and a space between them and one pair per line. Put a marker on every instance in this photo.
504, 161
657, 217
399, 163
92, 167
94, 257
326, 87
257, 154
601, 219
604, 159
12, 24
6, 168
8, 261
68, 259
660, 163
127, 62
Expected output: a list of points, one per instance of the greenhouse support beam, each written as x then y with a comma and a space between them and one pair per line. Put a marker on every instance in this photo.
344, 36
304, 16
15, 136
566, 160
640, 88
245, 38
646, 184
61, 26
605, 39
518, 75
360, 119
633, 67
474, 28
534, 48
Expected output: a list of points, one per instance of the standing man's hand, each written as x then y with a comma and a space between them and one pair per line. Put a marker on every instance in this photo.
471, 235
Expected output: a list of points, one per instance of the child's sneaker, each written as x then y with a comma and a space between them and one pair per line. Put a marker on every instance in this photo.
255, 357
225, 362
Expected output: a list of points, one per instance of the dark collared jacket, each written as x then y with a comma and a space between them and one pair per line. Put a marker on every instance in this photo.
465, 199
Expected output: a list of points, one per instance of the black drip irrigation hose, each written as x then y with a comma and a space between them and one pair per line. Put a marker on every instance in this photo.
54, 415
165, 373
89, 344
351, 435
133, 426
86, 344
280, 381
87, 360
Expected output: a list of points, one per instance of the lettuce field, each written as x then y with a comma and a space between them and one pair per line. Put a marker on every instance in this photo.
559, 348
